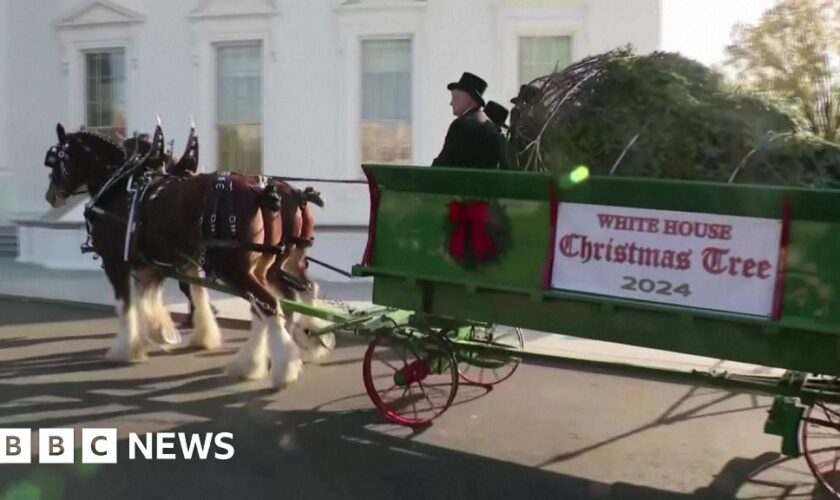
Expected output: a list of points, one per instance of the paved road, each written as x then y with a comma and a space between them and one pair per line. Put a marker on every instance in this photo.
546, 433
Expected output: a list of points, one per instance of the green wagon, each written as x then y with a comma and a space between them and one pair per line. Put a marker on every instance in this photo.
742, 273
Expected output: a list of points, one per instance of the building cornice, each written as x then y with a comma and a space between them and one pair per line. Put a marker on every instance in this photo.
99, 13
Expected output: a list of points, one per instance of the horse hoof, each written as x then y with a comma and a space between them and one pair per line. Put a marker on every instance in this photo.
207, 337
171, 337
164, 336
245, 371
316, 353
125, 356
281, 378
207, 343
299, 335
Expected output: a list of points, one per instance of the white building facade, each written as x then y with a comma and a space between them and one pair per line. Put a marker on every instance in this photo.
302, 88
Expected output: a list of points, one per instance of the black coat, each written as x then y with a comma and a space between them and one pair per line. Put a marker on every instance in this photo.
472, 142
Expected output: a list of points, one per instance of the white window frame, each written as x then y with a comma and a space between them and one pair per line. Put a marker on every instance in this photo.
377, 20
238, 43
411, 122
78, 37
85, 95
253, 23
517, 23
76, 72
532, 37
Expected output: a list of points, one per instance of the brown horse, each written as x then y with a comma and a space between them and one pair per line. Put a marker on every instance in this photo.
172, 232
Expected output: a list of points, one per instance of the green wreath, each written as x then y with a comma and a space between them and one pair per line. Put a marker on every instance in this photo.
477, 231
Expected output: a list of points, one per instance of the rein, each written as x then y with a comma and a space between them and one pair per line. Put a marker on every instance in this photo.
129, 169
213, 244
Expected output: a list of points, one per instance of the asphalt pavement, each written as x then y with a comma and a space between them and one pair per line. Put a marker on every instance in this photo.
548, 432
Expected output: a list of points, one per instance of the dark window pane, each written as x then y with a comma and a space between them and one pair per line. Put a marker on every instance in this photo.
105, 94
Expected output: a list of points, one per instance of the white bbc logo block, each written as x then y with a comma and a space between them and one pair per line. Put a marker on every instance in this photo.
55, 446
99, 446
15, 446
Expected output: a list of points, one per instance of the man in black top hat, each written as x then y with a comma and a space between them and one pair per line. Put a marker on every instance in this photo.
498, 115
472, 138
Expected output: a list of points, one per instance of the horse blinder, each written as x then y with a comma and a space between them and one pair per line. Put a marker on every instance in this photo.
51, 161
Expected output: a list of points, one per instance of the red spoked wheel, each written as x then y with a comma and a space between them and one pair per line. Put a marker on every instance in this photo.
487, 368
411, 379
820, 439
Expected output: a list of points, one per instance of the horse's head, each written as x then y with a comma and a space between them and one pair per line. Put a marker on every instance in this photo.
79, 160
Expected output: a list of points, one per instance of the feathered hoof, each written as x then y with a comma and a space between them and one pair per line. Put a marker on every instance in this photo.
248, 369
124, 355
314, 347
205, 342
319, 347
171, 336
166, 338
284, 376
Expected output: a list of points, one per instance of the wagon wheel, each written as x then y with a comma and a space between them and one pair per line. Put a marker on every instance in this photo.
411, 379
820, 439
485, 368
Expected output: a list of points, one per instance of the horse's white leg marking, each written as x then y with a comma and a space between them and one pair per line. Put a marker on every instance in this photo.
286, 364
206, 334
155, 321
167, 333
251, 361
129, 347
315, 348
145, 322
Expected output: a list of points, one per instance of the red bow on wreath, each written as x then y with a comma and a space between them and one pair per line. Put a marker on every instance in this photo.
474, 216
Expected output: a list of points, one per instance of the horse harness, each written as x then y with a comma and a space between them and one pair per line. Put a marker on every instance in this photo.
219, 224
219, 220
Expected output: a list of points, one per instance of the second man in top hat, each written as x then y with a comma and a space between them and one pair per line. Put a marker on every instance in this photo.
472, 138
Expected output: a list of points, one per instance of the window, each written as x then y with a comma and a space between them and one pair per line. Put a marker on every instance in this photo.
105, 91
239, 107
386, 101
542, 55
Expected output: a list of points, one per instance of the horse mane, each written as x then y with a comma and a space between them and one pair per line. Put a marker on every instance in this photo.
105, 145
141, 144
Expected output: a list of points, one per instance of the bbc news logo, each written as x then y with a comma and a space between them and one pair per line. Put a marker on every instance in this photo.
99, 446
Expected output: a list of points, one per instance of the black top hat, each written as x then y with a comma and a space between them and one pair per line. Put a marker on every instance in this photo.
527, 93
496, 112
472, 85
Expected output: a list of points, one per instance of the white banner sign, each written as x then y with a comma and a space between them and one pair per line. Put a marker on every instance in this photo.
708, 261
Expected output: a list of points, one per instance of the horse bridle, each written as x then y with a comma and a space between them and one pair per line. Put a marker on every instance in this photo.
59, 156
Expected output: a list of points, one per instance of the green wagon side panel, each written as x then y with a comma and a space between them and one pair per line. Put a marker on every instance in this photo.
412, 269
812, 287
412, 237
668, 328
413, 209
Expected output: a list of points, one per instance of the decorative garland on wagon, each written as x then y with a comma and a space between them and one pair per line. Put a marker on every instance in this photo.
477, 231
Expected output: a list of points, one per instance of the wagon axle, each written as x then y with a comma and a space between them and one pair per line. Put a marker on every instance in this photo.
415, 372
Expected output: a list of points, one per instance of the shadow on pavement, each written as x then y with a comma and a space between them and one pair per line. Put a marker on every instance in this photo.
316, 453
